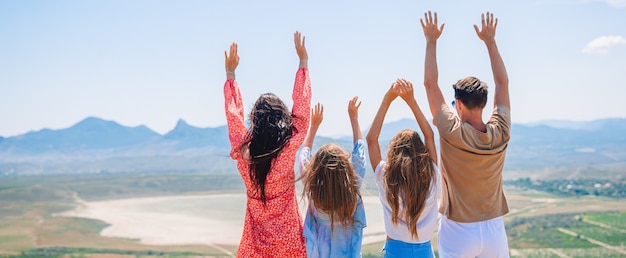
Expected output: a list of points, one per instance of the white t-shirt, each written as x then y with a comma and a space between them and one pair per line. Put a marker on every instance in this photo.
428, 217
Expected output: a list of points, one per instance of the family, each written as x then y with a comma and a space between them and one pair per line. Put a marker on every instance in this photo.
458, 191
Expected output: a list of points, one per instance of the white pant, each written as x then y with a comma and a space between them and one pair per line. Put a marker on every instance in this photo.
476, 239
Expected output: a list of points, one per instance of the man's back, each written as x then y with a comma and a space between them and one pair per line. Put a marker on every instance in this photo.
471, 165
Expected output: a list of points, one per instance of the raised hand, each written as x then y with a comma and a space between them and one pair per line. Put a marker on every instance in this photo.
392, 93
299, 40
405, 89
429, 25
488, 31
353, 112
317, 115
231, 61
353, 107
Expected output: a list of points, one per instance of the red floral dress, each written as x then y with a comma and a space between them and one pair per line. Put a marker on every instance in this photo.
273, 229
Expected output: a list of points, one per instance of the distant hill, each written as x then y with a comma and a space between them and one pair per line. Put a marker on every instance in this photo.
99, 146
187, 136
89, 134
595, 125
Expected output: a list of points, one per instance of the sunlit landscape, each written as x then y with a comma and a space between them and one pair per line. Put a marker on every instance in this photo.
152, 215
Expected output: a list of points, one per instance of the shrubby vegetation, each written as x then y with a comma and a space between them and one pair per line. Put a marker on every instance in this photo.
617, 220
574, 187
542, 232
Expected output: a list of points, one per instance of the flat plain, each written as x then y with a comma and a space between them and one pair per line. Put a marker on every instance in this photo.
201, 215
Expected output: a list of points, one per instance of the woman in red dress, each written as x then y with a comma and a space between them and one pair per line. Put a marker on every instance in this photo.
265, 155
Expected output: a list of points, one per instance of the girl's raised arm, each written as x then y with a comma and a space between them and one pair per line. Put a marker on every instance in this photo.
317, 115
374, 132
405, 89
353, 112
358, 150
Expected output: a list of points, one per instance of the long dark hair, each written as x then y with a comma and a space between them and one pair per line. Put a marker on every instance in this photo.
332, 185
270, 130
409, 176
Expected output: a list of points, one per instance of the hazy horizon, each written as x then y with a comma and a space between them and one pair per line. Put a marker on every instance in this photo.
364, 128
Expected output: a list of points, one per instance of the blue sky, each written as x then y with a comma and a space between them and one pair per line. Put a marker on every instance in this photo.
154, 62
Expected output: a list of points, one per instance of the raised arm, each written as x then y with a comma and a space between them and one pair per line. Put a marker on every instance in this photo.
358, 151
233, 104
317, 115
373, 146
488, 35
407, 94
431, 72
301, 95
353, 112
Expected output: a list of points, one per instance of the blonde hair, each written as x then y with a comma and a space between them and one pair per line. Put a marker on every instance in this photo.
409, 175
332, 184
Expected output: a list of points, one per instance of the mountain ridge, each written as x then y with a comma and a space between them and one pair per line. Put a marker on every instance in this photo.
95, 145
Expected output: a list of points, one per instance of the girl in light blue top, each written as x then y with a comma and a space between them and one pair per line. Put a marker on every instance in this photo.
335, 218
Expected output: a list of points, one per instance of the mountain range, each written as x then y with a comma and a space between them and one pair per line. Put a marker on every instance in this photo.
99, 146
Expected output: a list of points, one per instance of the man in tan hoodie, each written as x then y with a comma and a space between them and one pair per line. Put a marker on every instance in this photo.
472, 151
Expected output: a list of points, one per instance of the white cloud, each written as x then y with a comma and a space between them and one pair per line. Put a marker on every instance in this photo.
603, 44
611, 3
615, 3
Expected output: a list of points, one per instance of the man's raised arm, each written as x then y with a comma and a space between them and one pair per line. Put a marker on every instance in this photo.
431, 73
487, 34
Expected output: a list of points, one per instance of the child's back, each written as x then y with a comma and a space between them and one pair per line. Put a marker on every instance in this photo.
335, 217
326, 235
408, 182
427, 182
